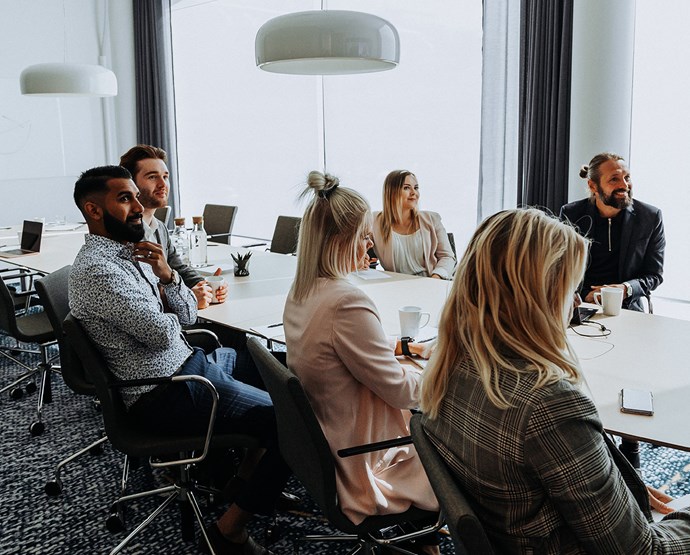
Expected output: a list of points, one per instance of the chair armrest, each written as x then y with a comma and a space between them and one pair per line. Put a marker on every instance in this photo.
203, 339
376, 446
211, 420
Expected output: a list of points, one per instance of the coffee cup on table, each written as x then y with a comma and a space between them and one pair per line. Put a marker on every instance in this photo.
610, 299
411, 320
215, 282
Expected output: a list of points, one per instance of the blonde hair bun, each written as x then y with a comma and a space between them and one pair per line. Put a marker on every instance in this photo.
322, 183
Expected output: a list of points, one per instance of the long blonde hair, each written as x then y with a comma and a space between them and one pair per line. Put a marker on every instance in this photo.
392, 212
510, 305
331, 227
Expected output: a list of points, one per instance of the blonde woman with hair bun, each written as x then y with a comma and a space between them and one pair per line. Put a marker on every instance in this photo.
503, 403
337, 347
408, 240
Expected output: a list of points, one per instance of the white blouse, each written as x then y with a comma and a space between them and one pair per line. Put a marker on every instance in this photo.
408, 253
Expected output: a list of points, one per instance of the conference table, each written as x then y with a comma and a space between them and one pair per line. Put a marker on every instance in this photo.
642, 351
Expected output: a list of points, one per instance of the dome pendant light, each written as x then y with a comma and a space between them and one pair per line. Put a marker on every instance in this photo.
330, 42
63, 79
66, 79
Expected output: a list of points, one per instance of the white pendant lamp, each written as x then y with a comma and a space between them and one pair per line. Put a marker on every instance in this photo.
63, 79
330, 42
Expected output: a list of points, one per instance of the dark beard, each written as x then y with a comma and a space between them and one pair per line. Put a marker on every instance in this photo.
123, 231
611, 200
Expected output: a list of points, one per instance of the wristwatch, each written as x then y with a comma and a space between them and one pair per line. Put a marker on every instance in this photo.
628, 290
404, 345
174, 279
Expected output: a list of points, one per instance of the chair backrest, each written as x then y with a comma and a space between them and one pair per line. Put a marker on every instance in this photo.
451, 240
162, 214
8, 318
301, 440
80, 352
53, 291
218, 221
285, 235
465, 528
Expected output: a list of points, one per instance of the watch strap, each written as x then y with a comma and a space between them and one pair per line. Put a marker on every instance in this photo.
404, 345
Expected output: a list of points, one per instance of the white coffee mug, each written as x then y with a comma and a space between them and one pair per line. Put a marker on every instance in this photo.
411, 320
610, 299
215, 282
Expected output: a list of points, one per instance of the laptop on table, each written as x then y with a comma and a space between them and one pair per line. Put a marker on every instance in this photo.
31, 240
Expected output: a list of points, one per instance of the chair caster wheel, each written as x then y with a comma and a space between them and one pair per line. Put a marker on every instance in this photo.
37, 428
273, 534
31, 387
16, 393
116, 521
53, 488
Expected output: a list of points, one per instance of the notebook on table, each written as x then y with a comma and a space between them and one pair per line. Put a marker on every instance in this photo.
31, 240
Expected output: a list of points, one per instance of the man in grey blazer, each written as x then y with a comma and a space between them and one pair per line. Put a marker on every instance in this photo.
148, 166
627, 235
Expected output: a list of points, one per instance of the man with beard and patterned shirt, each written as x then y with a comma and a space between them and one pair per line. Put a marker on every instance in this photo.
627, 235
133, 305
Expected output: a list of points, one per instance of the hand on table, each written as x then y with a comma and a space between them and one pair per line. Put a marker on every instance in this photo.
596, 288
222, 291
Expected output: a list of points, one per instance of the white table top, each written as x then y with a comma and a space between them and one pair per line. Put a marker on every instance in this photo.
642, 352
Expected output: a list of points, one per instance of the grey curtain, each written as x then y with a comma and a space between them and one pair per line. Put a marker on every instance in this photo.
546, 29
499, 127
154, 83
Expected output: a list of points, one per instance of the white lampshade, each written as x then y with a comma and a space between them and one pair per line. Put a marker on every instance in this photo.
330, 42
58, 79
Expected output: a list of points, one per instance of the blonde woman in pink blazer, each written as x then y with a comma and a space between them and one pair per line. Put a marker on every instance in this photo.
346, 363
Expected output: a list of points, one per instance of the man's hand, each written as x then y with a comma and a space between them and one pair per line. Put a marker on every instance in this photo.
595, 288
658, 500
153, 255
203, 293
222, 291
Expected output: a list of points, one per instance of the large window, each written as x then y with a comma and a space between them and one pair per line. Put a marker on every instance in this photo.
249, 138
660, 122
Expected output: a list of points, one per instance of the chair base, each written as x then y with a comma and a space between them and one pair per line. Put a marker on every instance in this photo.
368, 544
54, 486
182, 491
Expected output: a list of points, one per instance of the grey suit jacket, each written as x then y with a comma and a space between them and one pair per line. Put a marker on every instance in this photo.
643, 242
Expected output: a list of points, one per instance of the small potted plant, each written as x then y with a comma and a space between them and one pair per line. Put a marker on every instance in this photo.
241, 266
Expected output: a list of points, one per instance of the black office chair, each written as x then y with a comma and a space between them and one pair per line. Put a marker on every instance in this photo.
451, 240
465, 528
306, 451
131, 438
52, 290
285, 235
28, 327
218, 222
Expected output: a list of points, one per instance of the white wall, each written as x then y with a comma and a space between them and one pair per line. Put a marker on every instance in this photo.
45, 143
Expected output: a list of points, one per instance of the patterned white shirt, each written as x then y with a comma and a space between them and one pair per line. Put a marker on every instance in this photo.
116, 299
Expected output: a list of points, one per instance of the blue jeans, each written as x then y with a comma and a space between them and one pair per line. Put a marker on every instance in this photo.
242, 408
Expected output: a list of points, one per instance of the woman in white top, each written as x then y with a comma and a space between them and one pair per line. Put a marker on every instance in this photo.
407, 240
337, 347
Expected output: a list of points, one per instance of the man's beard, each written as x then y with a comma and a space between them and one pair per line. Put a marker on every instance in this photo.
124, 231
613, 201
151, 200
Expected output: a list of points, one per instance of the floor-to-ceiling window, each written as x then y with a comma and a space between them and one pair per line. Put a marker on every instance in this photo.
249, 138
660, 140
